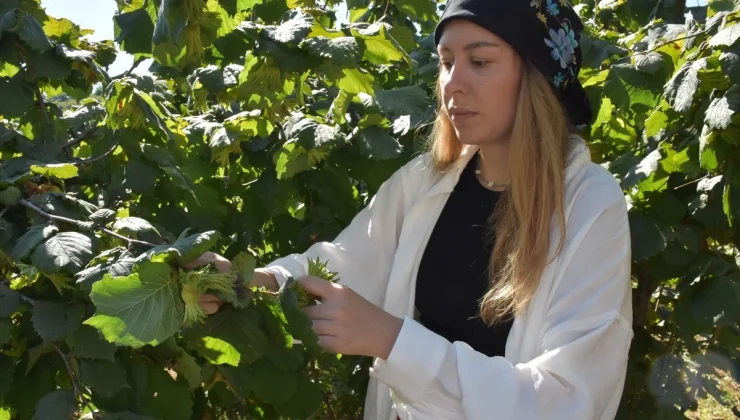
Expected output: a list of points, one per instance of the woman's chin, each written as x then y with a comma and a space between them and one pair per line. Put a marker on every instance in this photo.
469, 139
475, 139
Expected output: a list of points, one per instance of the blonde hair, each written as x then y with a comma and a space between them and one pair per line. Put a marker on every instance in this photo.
523, 217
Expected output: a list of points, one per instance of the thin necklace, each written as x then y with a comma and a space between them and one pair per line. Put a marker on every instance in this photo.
489, 184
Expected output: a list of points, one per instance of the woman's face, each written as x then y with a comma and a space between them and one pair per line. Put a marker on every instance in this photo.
480, 75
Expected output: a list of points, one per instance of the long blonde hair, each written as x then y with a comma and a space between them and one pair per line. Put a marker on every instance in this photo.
522, 220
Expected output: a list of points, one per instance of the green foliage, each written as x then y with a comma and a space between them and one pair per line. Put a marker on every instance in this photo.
265, 126
667, 126
258, 132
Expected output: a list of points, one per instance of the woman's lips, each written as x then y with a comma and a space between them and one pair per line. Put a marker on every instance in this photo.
461, 116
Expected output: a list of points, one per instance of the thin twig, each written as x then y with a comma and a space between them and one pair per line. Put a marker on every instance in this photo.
81, 225
694, 35
78, 393
42, 104
691, 182
95, 159
654, 13
129, 240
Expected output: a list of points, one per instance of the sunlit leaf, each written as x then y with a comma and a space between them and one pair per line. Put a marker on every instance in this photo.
142, 308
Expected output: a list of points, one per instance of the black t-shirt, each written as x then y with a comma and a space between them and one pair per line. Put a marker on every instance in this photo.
453, 273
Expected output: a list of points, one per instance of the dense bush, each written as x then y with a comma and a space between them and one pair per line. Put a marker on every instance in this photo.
265, 126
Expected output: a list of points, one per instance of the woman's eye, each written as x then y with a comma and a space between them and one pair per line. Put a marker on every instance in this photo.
478, 63
446, 64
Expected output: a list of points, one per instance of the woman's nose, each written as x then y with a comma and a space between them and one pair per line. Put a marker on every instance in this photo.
454, 80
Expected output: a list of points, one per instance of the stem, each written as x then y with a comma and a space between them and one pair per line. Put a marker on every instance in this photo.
133, 66
76, 388
660, 295
80, 225
654, 13
315, 373
385, 12
42, 104
646, 285
267, 292
328, 406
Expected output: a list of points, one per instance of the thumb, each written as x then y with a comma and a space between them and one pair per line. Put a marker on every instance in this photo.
221, 263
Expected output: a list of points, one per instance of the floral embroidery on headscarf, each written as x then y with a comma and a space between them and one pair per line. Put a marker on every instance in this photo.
571, 36
558, 80
562, 41
562, 49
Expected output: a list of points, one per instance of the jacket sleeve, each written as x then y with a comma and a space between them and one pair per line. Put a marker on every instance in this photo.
362, 254
579, 369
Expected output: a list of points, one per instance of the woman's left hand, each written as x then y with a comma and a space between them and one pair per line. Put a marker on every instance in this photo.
347, 323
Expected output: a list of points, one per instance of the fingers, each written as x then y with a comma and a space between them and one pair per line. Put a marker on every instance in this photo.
329, 343
210, 308
221, 263
202, 260
210, 303
318, 287
317, 312
321, 327
264, 279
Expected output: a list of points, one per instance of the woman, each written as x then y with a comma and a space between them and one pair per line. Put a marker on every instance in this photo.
529, 318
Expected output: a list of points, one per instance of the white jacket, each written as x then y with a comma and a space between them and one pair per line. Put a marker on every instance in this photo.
566, 357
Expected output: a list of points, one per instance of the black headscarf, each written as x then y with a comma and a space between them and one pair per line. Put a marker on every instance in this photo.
544, 32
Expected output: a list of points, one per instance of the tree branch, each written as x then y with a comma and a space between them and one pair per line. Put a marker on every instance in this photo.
691, 182
131, 69
81, 225
8, 134
95, 159
27, 299
694, 35
78, 393
80, 138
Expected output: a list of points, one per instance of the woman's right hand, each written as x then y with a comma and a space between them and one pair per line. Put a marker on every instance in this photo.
210, 303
